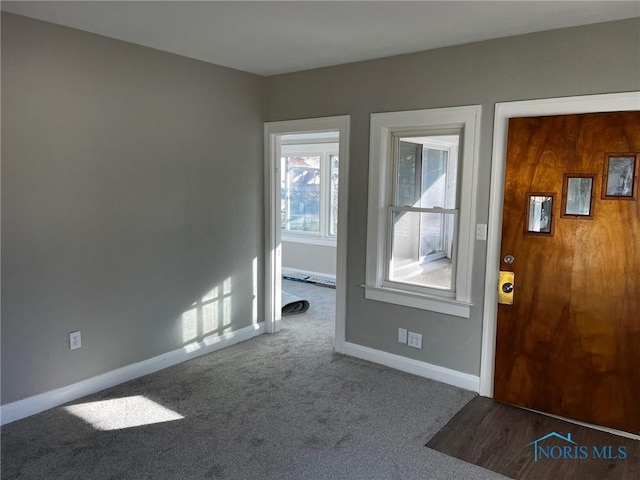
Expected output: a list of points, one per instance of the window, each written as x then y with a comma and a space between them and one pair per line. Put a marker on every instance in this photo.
421, 216
424, 211
309, 192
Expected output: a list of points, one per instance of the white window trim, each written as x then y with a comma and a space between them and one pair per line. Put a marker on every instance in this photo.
324, 150
383, 126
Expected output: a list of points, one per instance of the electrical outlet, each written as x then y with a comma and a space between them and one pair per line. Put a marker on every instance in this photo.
415, 340
75, 340
402, 335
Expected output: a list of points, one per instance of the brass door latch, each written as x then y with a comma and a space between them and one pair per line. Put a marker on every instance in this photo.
506, 288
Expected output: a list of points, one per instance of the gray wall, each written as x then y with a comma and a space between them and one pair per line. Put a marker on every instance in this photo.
132, 184
309, 257
592, 59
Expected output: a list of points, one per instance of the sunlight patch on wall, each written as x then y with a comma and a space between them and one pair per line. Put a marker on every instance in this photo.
121, 413
254, 273
211, 294
210, 315
210, 318
190, 325
211, 312
226, 319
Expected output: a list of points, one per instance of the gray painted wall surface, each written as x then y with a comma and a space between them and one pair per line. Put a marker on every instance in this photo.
306, 256
600, 58
132, 183
118, 161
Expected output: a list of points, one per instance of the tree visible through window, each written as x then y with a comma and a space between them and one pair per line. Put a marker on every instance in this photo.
309, 190
301, 194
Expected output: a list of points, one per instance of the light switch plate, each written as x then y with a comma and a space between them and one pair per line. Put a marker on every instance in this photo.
402, 335
481, 231
75, 340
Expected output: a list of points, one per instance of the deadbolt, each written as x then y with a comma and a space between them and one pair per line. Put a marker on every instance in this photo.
509, 259
507, 287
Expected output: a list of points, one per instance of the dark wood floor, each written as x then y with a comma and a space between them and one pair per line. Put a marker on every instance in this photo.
497, 437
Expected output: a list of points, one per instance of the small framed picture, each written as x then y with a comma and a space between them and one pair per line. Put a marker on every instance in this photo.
620, 176
539, 214
577, 195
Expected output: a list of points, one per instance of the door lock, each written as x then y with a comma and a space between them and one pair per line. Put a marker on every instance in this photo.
505, 288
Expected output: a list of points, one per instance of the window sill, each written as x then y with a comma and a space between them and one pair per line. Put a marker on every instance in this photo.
310, 239
416, 300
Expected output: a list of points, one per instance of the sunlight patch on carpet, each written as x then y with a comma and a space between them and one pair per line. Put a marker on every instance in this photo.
120, 413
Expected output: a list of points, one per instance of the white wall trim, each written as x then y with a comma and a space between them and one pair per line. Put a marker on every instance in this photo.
44, 401
308, 273
272, 234
464, 119
415, 367
613, 102
273, 242
318, 240
448, 306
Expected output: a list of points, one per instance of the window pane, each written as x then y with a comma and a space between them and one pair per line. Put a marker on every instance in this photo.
427, 171
540, 213
408, 178
333, 208
422, 249
301, 194
434, 179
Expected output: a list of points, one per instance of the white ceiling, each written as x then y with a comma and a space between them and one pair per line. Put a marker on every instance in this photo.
268, 38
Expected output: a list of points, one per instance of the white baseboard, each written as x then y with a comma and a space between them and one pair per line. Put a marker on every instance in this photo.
308, 273
44, 401
422, 369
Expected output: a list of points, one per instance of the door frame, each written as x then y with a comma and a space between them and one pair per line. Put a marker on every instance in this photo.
614, 102
272, 240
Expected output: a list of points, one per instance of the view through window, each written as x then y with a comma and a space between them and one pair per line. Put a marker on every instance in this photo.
421, 211
424, 211
309, 189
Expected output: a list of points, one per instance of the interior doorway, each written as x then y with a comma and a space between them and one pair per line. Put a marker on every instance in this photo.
309, 189
306, 175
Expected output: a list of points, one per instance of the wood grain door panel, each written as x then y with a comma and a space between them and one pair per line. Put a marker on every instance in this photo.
570, 343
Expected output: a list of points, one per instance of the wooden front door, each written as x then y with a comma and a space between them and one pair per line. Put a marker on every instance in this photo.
569, 344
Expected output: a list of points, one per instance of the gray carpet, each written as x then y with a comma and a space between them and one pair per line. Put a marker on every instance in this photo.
276, 407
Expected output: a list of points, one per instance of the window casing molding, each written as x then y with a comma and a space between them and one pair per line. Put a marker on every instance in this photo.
441, 121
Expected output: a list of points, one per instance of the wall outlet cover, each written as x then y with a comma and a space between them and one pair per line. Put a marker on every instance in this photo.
415, 340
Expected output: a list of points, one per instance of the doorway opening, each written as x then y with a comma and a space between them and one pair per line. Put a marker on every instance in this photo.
306, 211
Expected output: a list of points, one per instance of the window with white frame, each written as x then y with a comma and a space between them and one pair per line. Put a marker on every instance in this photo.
309, 192
421, 208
